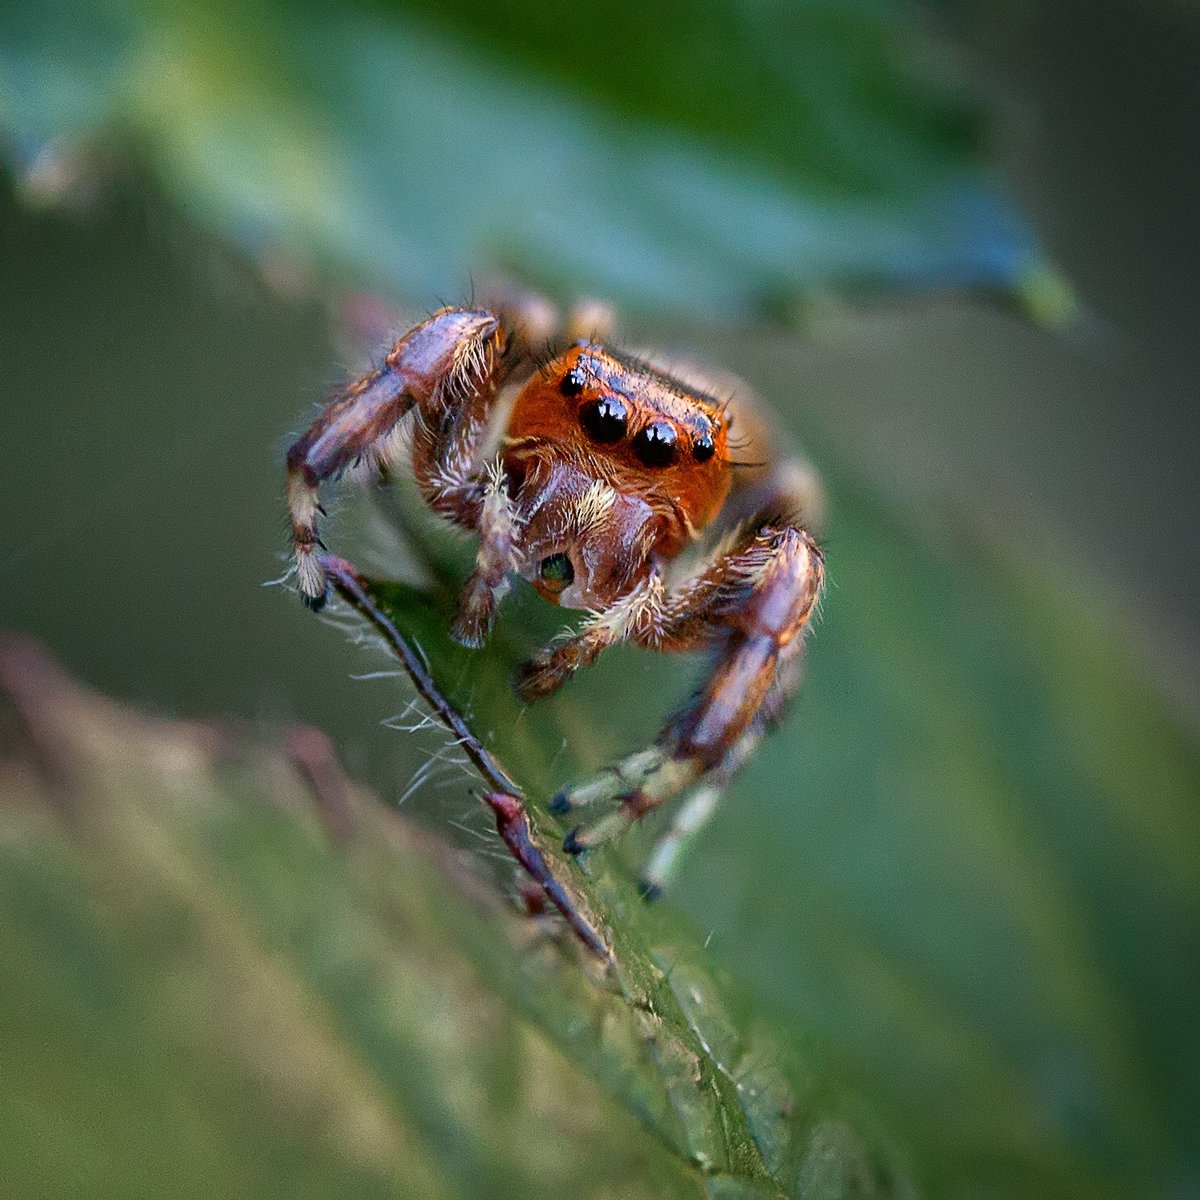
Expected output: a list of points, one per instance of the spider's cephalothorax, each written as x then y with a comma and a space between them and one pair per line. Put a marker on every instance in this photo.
607, 469
621, 466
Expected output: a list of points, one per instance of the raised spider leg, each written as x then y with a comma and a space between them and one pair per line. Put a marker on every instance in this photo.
530, 322
751, 606
540, 323
448, 367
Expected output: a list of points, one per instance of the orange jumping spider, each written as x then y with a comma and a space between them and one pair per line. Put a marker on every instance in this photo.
588, 473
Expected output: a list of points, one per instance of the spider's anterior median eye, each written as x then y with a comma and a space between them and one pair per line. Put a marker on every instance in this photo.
604, 420
657, 444
573, 383
557, 572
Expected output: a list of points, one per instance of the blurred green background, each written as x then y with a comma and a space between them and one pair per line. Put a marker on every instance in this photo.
956, 250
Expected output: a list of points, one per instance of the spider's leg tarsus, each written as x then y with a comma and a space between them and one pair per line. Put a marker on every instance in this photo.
611, 782
639, 784
542, 675
688, 820
571, 843
314, 602
585, 837
477, 611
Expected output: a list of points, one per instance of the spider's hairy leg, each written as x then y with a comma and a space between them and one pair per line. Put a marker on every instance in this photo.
589, 321
526, 314
540, 323
752, 607
498, 554
697, 809
688, 819
636, 617
453, 353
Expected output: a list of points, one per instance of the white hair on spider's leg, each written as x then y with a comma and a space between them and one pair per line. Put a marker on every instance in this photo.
639, 612
473, 360
309, 573
280, 580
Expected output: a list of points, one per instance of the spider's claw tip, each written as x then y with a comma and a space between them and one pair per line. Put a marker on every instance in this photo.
650, 891
559, 803
525, 683
315, 603
473, 625
571, 843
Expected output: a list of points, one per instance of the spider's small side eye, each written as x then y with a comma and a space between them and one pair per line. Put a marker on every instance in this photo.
604, 420
557, 572
657, 444
703, 448
573, 383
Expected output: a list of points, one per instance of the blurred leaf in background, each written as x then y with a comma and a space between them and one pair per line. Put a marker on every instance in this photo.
251, 995
960, 881
709, 158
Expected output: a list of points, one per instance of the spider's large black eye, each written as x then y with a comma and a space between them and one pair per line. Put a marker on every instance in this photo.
573, 383
657, 444
557, 571
703, 448
604, 420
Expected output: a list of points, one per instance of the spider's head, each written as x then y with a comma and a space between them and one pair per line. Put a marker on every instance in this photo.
624, 457
585, 543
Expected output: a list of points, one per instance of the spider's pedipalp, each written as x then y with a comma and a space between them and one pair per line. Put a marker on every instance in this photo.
498, 554
636, 617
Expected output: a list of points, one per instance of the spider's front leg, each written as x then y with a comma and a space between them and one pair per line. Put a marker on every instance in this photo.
449, 368
751, 607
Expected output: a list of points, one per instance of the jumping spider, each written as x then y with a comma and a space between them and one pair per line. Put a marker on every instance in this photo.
589, 473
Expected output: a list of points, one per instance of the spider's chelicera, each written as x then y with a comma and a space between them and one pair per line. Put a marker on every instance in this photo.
609, 469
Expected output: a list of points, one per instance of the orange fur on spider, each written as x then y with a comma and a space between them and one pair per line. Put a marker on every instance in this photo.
645, 433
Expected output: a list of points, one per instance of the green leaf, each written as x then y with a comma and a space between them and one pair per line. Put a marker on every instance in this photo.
215, 983
707, 157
